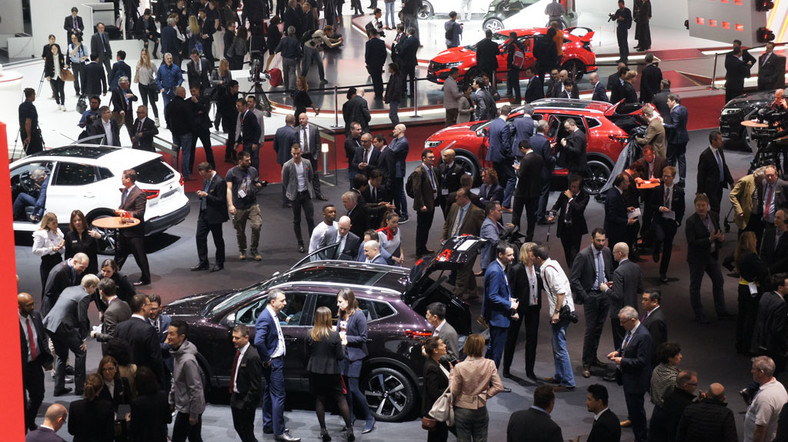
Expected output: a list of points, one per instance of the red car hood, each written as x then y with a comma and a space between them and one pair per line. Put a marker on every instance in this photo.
455, 54
452, 131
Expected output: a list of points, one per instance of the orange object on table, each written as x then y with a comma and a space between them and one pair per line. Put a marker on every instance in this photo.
754, 123
115, 222
647, 184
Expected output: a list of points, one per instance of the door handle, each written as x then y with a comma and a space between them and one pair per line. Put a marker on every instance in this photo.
90, 195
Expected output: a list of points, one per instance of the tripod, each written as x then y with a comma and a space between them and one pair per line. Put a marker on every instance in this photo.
38, 92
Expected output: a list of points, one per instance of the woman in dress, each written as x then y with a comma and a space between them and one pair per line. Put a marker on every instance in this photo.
150, 411
663, 378
352, 328
753, 279
91, 419
436, 380
145, 77
325, 351
81, 240
48, 243
389, 237
473, 382
301, 99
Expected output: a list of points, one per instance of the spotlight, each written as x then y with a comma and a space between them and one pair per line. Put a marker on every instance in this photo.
764, 5
764, 35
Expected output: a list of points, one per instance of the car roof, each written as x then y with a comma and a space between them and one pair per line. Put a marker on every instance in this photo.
570, 104
94, 154
351, 264
333, 287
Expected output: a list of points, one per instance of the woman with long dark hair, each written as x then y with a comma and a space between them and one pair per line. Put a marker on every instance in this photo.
753, 278
352, 328
663, 379
325, 351
239, 48
53, 67
150, 411
81, 240
301, 98
110, 269
48, 243
272, 39
436, 380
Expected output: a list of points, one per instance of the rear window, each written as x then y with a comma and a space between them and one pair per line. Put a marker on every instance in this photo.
332, 274
153, 172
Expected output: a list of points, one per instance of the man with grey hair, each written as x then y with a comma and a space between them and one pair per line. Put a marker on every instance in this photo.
106, 126
633, 359
599, 89
760, 422
290, 48
676, 400
626, 288
122, 109
372, 252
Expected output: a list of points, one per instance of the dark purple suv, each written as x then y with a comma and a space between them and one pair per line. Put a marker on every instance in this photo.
394, 300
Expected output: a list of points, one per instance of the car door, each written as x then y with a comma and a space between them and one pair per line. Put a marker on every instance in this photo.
528, 45
79, 186
21, 181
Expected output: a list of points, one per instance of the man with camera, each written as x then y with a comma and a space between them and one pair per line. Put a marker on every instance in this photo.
623, 19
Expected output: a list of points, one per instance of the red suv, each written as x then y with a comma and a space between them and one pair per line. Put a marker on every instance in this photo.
606, 126
578, 56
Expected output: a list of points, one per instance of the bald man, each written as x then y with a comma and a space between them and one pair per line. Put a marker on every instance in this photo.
599, 89
372, 252
348, 242
35, 356
54, 419
63, 275
708, 420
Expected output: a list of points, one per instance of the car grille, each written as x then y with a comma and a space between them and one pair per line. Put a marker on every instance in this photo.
437, 66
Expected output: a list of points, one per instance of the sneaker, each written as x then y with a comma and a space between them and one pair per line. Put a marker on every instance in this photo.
242, 256
257, 256
404, 220
156, 121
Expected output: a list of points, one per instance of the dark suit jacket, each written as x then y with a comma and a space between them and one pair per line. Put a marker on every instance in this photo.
599, 92
42, 434
736, 71
60, 277
677, 203
435, 383
356, 348
575, 152
44, 357
781, 256
615, 211
615, 87
284, 139
535, 90
636, 362
771, 75
709, 174
358, 158
522, 129
97, 128
348, 253
119, 69
117, 312
627, 287
650, 79
584, 271
68, 25
95, 79
266, 338
150, 415
529, 186
450, 176
575, 210
678, 126
313, 134
169, 40
487, 55
698, 244
422, 188
359, 218
500, 139
375, 54
490, 193
248, 381
496, 304
96, 46
605, 429
135, 205
471, 224
534, 423
657, 327
521, 289
143, 343
324, 355
149, 129
92, 420
250, 131
660, 100
201, 80
122, 391
216, 201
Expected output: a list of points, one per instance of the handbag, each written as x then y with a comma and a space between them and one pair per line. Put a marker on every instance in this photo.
428, 423
66, 75
443, 409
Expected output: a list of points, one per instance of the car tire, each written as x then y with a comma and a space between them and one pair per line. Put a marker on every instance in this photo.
426, 11
391, 395
108, 243
578, 66
598, 173
493, 24
471, 166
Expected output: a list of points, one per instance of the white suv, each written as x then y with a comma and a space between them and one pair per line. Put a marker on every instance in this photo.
88, 178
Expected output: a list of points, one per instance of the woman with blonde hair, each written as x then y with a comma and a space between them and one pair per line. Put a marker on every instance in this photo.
753, 279
145, 77
193, 30
526, 285
48, 243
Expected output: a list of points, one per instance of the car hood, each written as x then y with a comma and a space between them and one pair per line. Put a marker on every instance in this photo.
193, 305
452, 131
460, 53
746, 100
455, 254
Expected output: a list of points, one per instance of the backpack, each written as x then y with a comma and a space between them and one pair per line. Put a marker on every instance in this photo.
409, 184
306, 36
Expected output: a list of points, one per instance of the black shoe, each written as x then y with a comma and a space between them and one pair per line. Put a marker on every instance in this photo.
598, 363
287, 205
655, 256
199, 267
532, 377
62, 392
301, 248
268, 430
286, 437
506, 374
609, 378
403, 220
217, 268
322, 198
324, 434
562, 388
726, 316
586, 372
746, 395
663, 279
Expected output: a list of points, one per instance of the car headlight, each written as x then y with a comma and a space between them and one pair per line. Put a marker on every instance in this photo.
432, 144
731, 111
491, 8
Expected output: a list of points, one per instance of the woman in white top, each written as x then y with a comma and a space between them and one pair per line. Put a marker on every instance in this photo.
146, 79
389, 237
48, 243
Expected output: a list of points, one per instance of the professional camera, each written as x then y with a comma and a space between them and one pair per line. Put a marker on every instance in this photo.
611, 17
772, 117
255, 71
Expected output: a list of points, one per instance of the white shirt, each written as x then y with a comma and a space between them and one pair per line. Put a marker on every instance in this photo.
596, 416
235, 375
280, 347
300, 176
23, 320
108, 131
555, 282
765, 409
319, 232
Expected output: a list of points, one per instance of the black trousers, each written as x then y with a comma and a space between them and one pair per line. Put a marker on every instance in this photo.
136, 246
33, 383
664, 232
148, 96
203, 228
377, 81
745, 320
623, 47
531, 205
76, 68
303, 201
182, 429
571, 244
67, 339
596, 306
204, 134
409, 72
423, 224
637, 414
531, 319
228, 125
618, 332
513, 83
243, 421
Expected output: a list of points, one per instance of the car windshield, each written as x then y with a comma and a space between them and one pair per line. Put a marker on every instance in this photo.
497, 38
221, 303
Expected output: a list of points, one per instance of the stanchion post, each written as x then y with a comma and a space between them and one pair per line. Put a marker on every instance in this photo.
336, 106
416, 98
714, 73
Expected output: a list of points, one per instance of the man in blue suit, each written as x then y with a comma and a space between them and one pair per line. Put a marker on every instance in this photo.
270, 343
500, 154
498, 302
678, 137
599, 89
634, 361
522, 129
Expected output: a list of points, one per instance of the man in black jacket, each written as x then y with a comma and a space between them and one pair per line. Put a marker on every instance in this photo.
143, 131
771, 69
73, 25
106, 126
678, 399
617, 220
213, 213
571, 206
225, 107
529, 186
606, 427
198, 70
768, 338
713, 172
35, 356
623, 18
667, 206
179, 122
245, 384
653, 318
650, 79
141, 337
99, 45
122, 99
95, 79
738, 63
375, 57
708, 420
574, 148
535, 88
615, 84
408, 47
206, 36
199, 109
534, 424
487, 56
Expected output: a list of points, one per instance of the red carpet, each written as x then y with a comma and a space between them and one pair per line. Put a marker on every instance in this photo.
704, 112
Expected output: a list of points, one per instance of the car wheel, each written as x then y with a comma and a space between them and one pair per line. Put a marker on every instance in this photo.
426, 11
390, 394
598, 174
493, 24
108, 242
577, 66
470, 165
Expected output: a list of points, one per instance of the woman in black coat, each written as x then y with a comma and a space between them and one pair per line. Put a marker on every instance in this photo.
81, 240
436, 380
526, 286
150, 412
324, 349
630, 95
91, 419
272, 39
53, 67
110, 269
753, 279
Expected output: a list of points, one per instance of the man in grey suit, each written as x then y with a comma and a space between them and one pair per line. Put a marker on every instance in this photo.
309, 139
284, 139
436, 316
117, 311
68, 325
625, 291
297, 181
349, 242
591, 268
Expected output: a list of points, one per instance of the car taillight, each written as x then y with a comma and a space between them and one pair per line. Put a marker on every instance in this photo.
181, 181
417, 334
620, 138
150, 194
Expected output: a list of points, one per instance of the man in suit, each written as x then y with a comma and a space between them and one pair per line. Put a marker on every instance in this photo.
574, 148
704, 239
249, 130
535, 89
771, 69
780, 263
99, 44
487, 56
35, 356
365, 157
436, 316
375, 57
713, 172
650, 79
284, 138
606, 426
569, 90
654, 137
54, 419
95, 79
678, 137
738, 63
65, 274
132, 239
143, 131
540, 143
117, 311
653, 318
571, 207
624, 291
119, 69
161, 323
213, 214
377, 196
106, 126
660, 101
450, 173
398, 149
529, 187
464, 218
198, 71
633, 359
68, 325
667, 209
615, 84
498, 301
170, 44
73, 25
356, 211
591, 268
207, 28
599, 93
772, 197
426, 188
122, 99
348, 242
617, 220
491, 231
245, 388
623, 18
297, 180
534, 424
372, 252
199, 107
522, 129
309, 139
500, 154
270, 343
141, 337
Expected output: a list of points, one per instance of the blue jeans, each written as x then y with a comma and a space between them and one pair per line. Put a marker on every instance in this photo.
563, 366
390, 13
21, 202
400, 200
471, 425
274, 396
184, 143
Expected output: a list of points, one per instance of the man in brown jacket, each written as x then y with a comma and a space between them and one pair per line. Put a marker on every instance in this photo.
426, 188
464, 218
655, 133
